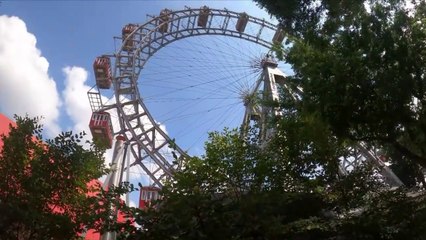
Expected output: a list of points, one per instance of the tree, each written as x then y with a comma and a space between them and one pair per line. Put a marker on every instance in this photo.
44, 187
232, 193
361, 66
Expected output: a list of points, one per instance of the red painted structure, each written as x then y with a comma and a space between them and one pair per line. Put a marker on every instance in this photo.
203, 17
102, 70
101, 128
4, 126
147, 195
242, 22
125, 32
164, 19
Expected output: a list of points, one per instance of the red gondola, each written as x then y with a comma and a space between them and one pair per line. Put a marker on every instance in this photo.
242, 22
203, 17
278, 36
148, 194
102, 69
125, 32
101, 129
164, 18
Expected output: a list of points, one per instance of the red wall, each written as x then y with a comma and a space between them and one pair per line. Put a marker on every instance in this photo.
4, 126
4, 129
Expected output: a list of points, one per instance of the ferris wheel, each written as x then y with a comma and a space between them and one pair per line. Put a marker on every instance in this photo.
197, 38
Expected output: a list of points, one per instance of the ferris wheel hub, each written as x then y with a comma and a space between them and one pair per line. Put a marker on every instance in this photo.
269, 61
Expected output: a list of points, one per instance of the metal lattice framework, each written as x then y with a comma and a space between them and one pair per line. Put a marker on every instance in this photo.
148, 144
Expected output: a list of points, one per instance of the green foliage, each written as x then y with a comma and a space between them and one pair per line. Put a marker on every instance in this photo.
43, 192
387, 215
362, 71
109, 206
287, 190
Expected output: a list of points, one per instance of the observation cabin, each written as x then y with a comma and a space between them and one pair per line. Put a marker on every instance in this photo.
102, 69
101, 129
242, 22
164, 19
203, 17
128, 44
278, 36
147, 195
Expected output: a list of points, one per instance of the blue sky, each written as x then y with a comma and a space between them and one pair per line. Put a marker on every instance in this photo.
47, 49
70, 34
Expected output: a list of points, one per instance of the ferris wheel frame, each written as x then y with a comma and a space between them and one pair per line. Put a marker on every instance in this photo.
149, 140
143, 136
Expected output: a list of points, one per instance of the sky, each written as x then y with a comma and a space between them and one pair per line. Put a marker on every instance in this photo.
47, 49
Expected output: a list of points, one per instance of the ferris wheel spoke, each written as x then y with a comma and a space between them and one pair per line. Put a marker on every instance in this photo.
209, 82
211, 124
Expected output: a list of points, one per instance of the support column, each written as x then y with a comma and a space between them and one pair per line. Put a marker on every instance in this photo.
113, 179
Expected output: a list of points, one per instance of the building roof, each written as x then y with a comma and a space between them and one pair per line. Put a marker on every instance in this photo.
5, 122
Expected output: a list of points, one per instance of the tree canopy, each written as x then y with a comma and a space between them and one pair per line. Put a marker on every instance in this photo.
241, 191
361, 65
45, 183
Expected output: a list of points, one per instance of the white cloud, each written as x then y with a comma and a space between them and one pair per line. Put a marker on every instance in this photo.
25, 85
75, 98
